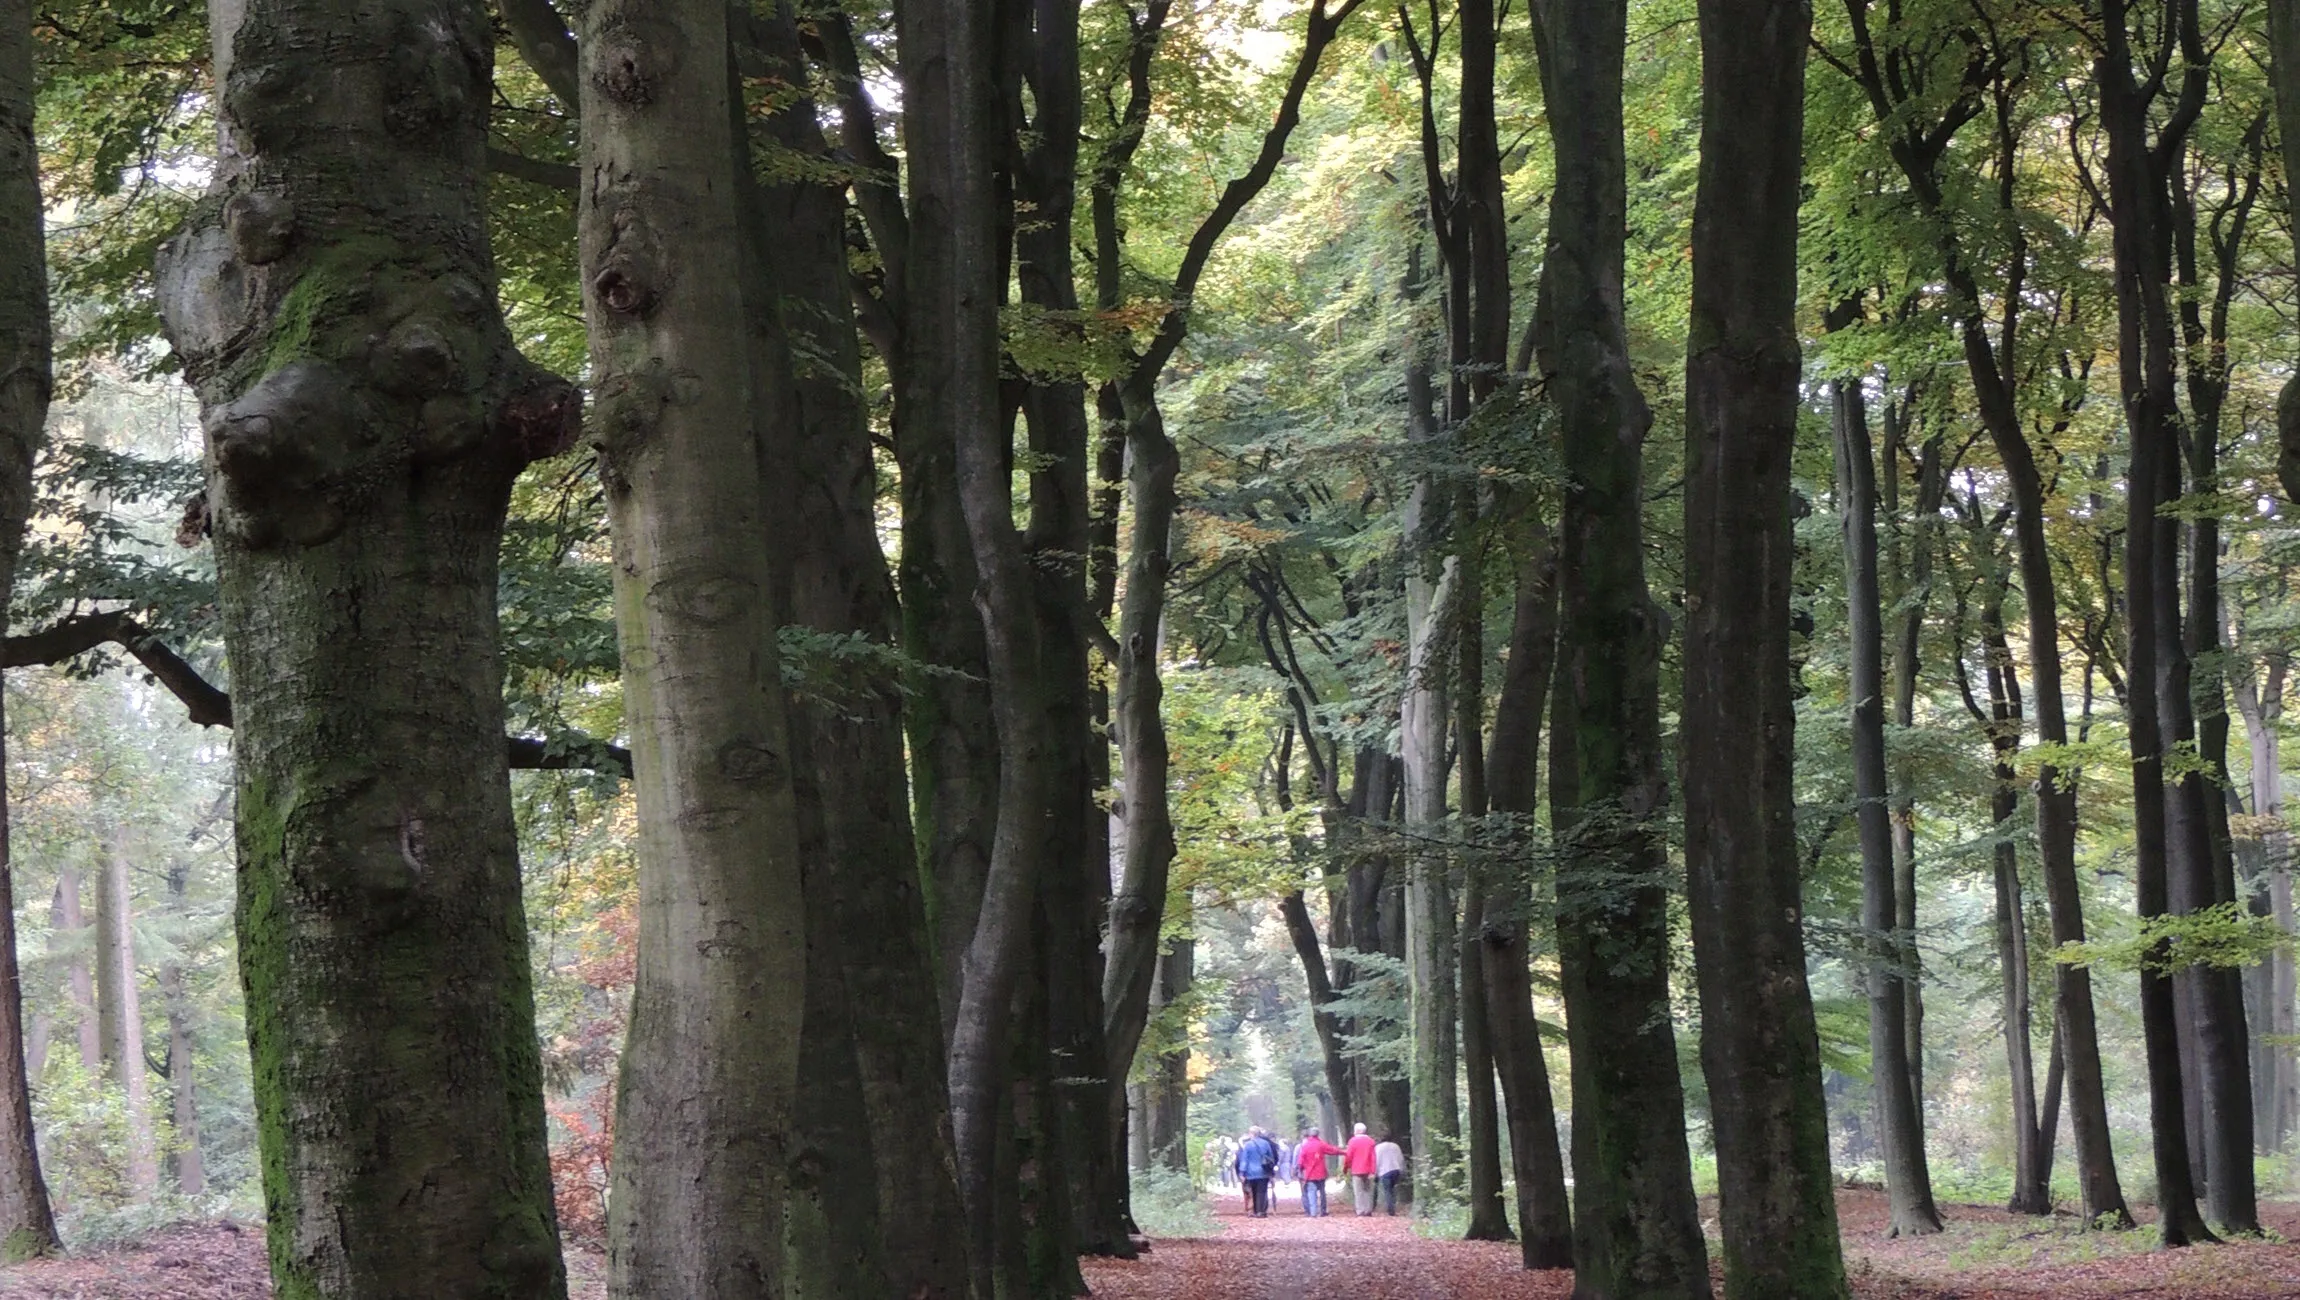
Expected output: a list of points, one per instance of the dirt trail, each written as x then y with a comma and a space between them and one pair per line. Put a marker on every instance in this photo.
1986, 1254
1289, 1257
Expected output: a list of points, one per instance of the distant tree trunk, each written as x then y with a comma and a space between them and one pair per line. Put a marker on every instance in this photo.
81, 969
27, 1223
2276, 1080
1909, 559
1636, 1222
1545, 1224
190, 1171
1432, 588
710, 1070
2032, 1135
121, 1011
366, 414
1488, 1220
1760, 1049
1166, 1089
1908, 1180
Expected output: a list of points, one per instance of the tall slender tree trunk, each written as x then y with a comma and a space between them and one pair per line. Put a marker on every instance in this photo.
121, 1011
710, 1067
1636, 1224
1432, 589
2032, 1134
1760, 1049
2276, 1080
27, 1222
2151, 576
183, 1084
366, 413
1488, 1220
1545, 1225
80, 970
1908, 1180
1166, 1087
2284, 74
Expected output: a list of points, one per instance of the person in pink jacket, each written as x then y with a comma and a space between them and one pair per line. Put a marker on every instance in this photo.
1358, 1163
1310, 1157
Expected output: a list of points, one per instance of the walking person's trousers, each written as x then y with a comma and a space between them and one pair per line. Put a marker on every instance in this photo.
1259, 1189
1362, 1191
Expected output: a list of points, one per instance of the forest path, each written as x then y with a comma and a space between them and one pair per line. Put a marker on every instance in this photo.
1291, 1257
1986, 1254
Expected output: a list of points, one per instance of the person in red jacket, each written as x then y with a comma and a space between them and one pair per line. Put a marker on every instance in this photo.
1310, 1157
1358, 1163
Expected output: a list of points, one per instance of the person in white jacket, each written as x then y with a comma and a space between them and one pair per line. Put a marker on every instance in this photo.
1389, 1166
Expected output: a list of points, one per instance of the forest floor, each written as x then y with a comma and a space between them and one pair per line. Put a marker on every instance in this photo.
1986, 1254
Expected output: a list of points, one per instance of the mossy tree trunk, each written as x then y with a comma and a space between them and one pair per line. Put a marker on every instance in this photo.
1760, 1049
709, 1070
27, 1223
366, 412
1636, 1224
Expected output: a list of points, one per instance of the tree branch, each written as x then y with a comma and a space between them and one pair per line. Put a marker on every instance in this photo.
210, 707
535, 171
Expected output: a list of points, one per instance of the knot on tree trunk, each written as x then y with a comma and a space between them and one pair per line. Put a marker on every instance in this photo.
541, 419
276, 449
632, 59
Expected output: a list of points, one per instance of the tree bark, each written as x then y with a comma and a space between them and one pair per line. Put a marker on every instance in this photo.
1636, 1224
366, 413
2284, 76
27, 1221
1488, 1220
710, 1067
1760, 1050
1908, 1180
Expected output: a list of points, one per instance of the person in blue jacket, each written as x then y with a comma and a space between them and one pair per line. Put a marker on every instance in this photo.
1257, 1161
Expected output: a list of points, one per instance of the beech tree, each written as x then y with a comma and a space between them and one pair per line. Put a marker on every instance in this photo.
332, 301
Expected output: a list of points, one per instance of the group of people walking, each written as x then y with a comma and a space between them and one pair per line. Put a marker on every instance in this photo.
1371, 1166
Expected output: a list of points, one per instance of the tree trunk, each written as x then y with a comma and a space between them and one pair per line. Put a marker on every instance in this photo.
1636, 1222
840, 585
951, 356
2276, 1080
27, 1223
2144, 338
2284, 74
1908, 1180
1545, 1226
366, 413
2032, 1134
1166, 1089
1488, 1220
190, 1170
709, 1070
1433, 954
68, 918
1760, 1050
120, 1010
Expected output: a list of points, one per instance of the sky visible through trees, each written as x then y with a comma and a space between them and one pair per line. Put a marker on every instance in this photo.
694, 650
